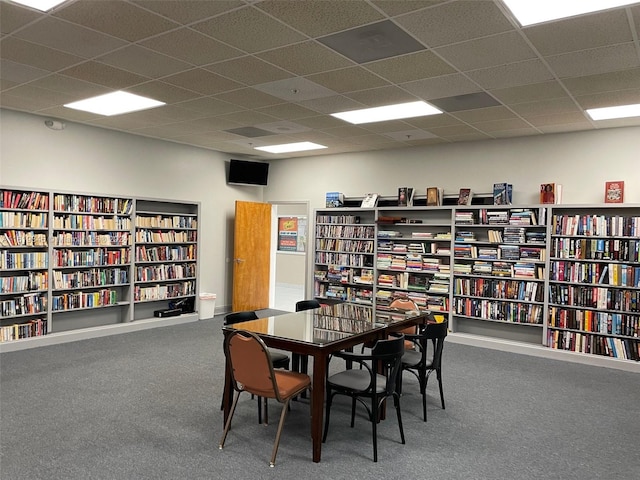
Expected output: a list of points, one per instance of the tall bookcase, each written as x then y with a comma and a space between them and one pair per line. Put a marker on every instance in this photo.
344, 256
499, 257
77, 265
24, 263
594, 281
558, 276
413, 258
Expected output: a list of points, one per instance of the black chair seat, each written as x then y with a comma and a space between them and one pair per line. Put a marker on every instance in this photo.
356, 380
411, 358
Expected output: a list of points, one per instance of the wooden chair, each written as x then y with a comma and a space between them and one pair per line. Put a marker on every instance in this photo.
376, 381
252, 371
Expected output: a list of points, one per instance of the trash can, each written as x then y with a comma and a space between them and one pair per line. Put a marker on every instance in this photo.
207, 305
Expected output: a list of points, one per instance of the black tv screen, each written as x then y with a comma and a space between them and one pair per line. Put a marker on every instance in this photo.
243, 172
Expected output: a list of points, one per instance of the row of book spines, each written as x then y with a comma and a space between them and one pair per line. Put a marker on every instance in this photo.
596, 249
24, 200
159, 221
33, 328
21, 238
595, 297
337, 219
345, 231
165, 272
497, 310
596, 225
24, 305
90, 239
69, 301
595, 322
499, 289
149, 236
160, 292
25, 283
344, 259
96, 277
20, 260
613, 274
23, 220
89, 204
91, 222
593, 344
356, 246
96, 257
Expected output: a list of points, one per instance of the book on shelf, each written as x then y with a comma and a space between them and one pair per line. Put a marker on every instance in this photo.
550, 193
405, 196
434, 196
502, 193
614, 192
464, 196
334, 199
370, 200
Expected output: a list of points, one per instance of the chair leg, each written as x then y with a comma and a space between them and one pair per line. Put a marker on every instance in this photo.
228, 424
396, 401
423, 391
374, 427
353, 411
439, 374
272, 463
266, 411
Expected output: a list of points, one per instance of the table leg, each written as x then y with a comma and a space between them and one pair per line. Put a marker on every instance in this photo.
317, 402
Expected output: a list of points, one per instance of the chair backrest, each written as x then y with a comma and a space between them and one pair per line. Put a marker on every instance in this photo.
404, 305
387, 354
436, 332
236, 317
307, 305
251, 367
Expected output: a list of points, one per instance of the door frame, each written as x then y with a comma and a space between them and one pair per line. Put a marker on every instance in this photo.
274, 246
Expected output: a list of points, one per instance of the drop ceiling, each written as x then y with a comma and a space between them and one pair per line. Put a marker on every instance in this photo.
237, 74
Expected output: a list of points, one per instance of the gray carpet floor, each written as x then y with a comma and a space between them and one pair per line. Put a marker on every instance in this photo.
146, 405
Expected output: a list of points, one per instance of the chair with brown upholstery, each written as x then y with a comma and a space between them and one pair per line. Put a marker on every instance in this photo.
279, 359
252, 371
376, 381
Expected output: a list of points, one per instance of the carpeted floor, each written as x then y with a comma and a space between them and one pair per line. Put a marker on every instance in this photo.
146, 405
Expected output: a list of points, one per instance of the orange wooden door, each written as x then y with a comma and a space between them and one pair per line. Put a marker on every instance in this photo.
251, 256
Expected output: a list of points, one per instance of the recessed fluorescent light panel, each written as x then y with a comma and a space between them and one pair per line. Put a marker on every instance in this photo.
529, 12
607, 113
291, 147
42, 5
115, 103
388, 112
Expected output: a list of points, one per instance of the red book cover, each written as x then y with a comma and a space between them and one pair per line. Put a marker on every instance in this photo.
614, 192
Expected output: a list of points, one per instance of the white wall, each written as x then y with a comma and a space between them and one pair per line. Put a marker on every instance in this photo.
85, 159
580, 161
92, 160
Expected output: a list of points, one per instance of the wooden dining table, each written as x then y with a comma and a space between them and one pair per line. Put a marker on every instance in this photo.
317, 333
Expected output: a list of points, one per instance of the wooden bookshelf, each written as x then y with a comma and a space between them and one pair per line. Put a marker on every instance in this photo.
77, 265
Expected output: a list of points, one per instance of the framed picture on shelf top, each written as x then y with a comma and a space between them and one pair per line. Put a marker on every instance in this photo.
614, 192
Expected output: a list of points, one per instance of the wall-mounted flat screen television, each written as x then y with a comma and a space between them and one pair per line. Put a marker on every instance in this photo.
244, 172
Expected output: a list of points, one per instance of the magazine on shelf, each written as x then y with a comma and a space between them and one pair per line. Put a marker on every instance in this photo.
370, 200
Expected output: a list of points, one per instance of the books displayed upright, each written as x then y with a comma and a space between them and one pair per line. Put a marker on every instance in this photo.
464, 197
334, 199
614, 192
434, 196
502, 193
550, 193
369, 201
405, 196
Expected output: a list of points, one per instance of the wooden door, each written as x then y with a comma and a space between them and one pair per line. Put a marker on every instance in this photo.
251, 256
